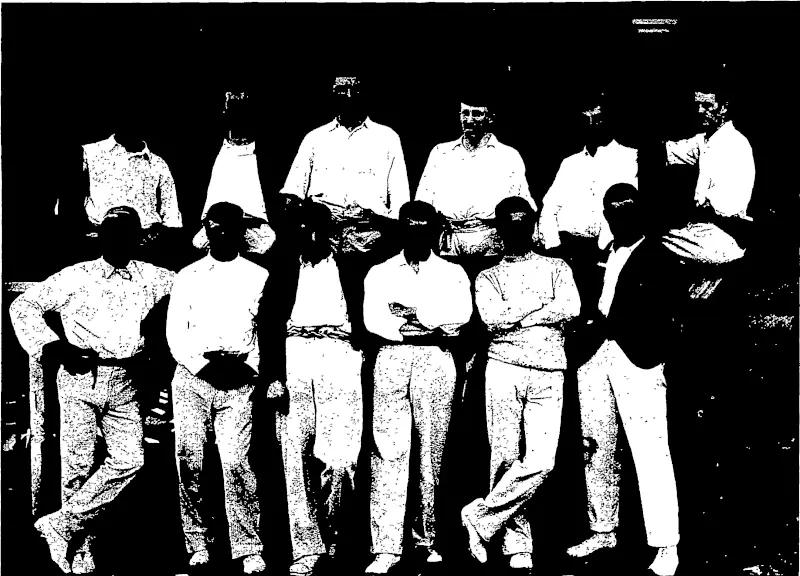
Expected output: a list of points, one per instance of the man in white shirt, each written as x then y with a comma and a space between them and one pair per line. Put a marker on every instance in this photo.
466, 178
234, 177
572, 223
524, 301
102, 304
626, 374
718, 228
211, 331
356, 167
323, 378
416, 302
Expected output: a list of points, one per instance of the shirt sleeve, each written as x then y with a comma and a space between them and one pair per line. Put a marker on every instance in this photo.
495, 307
170, 213
427, 184
551, 206
179, 338
378, 319
519, 182
449, 304
684, 151
733, 183
397, 188
566, 302
27, 311
299, 177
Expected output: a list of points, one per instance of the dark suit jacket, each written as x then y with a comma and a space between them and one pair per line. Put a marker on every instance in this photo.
643, 311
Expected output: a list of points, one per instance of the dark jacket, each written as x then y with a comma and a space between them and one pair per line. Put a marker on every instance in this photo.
642, 314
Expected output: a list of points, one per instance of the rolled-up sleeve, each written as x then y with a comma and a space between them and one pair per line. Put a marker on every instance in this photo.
378, 319
179, 337
448, 305
27, 311
299, 177
397, 188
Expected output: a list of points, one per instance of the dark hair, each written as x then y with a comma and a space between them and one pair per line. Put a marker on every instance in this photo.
620, 193
508, 206
418, 210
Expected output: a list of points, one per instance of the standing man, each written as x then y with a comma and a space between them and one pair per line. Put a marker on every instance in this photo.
102, 304
323, 377
122, 171
234, 177
626, 374
211, 331
719, 226
572, 223
466, 178
524, 301
356, 167
416, 302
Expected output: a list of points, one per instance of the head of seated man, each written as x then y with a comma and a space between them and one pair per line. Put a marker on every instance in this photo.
349, 102
713, 108
420, 228
515, 220
316, 231
624, 214
225, 228
120, 234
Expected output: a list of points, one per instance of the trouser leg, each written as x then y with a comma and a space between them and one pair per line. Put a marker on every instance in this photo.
539, 395
391, 428
642, 402
232, 416
295, 430
599, 429
433, 381
191, 399
339, 420
78, 443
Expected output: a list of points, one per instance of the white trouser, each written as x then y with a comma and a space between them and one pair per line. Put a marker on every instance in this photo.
258, 240
412, 384
609, 381
323, 377
198, 406
521, 403
86, 402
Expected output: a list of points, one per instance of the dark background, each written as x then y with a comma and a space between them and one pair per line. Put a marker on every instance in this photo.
65, 66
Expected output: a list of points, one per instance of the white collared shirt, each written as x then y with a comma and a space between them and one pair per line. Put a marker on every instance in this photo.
540, 293
214, 307
574, 202
727, 169
320, 300
467, 184
101, 307
234, 179
616, 260
141, 180
440, 293
365, 168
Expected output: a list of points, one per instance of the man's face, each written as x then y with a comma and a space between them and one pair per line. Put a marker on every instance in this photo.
710, 110
347, 97
515, 228
621, 217
593, 126
418, 235
119, 240
222, 235
475, 119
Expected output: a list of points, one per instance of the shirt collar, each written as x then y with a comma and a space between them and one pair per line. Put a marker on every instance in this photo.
491, 142
609, 146
107, 270
402, 262
365, 124
117, 147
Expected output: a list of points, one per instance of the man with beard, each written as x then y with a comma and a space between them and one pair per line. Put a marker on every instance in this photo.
524, 301
415, 302
103, 304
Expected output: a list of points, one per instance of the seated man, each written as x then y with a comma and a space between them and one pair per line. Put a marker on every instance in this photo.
323, 377
103, 304
718, 229
212, 333
636, 325
524, 301
234, 177
572, 223
416, 302
466, 178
